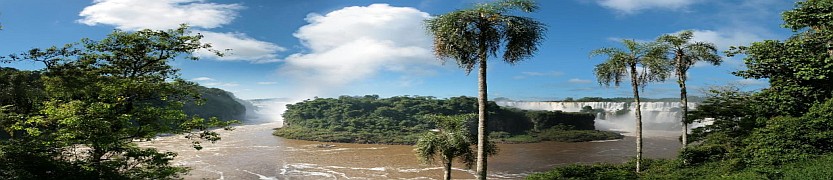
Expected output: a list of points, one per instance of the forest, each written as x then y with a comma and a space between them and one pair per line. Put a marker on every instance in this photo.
401, 120
80, 116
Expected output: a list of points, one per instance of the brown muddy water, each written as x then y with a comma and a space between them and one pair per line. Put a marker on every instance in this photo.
252, 152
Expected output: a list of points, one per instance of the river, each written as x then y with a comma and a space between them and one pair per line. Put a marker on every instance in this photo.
252, 152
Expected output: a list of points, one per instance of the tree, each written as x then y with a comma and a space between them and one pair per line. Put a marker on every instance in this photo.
798, 68
470, 36
103, 95
452, 140
686, 54
620, 63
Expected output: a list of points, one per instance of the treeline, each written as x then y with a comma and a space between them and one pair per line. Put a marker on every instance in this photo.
22, 90
214, 102
79, 116
784, 131
399, 120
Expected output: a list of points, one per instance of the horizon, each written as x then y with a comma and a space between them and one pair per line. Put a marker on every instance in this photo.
327, 49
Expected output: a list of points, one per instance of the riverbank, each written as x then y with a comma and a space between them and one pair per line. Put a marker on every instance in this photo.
406, 138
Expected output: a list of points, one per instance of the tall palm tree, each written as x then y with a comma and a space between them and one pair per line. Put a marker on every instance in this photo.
470, 36
686, 54
451, 141
643, 62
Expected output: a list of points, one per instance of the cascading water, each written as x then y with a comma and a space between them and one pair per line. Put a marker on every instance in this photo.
658, 118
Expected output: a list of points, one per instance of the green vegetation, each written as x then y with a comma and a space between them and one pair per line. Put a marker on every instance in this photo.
559, 133
781, 132
78, 117
653, 64
398, 120
686, 54
213, 102
470, 36
452, 140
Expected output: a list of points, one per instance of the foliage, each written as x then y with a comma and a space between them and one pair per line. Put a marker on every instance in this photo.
579, 171
650, 56
397, 120
470, 36
452, 140
213, 102
98, 97
567, 135
686, 54
799, 68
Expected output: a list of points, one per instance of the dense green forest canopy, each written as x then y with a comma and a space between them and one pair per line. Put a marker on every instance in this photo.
79, 116
399, 120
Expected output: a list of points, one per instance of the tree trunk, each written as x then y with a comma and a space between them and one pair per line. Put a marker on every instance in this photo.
482, 101
635, 85
447, 168
681, 78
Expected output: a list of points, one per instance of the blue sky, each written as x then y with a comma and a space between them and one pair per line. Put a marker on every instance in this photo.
326, 48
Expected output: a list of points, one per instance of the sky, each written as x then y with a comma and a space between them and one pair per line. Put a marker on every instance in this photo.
327, 48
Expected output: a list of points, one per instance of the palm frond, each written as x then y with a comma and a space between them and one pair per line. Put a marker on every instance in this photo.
523, 35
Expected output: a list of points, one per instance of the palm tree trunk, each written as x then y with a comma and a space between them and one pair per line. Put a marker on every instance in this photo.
635, 85
681, 78
684, 104
482, 117
447, 168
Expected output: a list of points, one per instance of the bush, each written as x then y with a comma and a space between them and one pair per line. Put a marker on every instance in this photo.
595, 171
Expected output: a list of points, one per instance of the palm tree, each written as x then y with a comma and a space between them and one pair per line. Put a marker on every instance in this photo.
451, 141
470, 36
653, 66
686, 54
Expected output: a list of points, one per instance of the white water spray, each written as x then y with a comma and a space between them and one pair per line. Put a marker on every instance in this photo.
658, 118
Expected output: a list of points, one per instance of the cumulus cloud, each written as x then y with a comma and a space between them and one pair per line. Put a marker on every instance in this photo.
723, 39
240, 46
134, 15
579, 81
354, 43
158, 14
634, 6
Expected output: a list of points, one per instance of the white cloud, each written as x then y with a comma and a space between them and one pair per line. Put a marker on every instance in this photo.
634, 6
725, 38
241, 47
579, 81
158, 14
267, 83
134, 15
202, 79
355, 43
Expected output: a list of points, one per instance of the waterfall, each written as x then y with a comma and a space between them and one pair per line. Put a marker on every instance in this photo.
618, 116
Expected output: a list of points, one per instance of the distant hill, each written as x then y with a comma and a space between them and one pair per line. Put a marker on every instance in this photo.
217, 103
